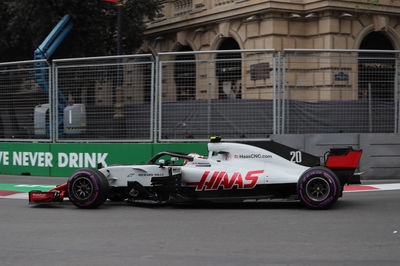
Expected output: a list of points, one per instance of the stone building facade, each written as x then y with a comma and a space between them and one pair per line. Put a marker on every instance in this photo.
274, 24
216, 25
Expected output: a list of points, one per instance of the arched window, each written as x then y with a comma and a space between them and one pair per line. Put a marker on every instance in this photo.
229, 71
185, 75
376, 81
376, 70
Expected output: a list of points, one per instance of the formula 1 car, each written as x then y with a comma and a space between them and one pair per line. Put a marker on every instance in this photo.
230, 172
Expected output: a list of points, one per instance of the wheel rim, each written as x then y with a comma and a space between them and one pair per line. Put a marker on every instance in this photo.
318, 189
82, 188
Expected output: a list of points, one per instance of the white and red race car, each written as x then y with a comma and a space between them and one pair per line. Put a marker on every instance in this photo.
230, 172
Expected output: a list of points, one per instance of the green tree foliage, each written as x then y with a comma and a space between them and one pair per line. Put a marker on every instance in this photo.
26, 23
4, 18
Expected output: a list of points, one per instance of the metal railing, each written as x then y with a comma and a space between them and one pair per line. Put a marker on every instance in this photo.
189, 96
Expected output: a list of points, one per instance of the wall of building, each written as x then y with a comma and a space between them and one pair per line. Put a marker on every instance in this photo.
204, 25
279, 24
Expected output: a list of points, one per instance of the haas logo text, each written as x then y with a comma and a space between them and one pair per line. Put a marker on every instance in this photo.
217, 179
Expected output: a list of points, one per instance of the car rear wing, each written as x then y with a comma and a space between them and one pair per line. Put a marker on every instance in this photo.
344, 162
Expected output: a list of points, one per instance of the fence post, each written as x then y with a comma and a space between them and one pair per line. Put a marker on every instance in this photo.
274, 87
396, 94
52, 102
56, 105
278, 89
370, 126
285, 113
209, 87
280, 116
153, 101
158, 100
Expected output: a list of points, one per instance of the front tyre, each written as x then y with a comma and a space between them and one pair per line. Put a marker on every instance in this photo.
87, 188
318, 188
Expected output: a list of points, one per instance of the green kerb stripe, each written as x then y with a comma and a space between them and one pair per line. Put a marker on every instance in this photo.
25, 187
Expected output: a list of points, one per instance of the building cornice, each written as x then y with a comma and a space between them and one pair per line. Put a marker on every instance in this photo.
243, 9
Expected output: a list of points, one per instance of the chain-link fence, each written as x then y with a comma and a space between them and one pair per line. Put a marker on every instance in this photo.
228, 93
184, 96
105, 98
24, 101
339, 91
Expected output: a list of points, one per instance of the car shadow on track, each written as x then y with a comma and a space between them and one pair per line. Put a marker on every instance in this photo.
268, 204
46, 206
213, 205
247, 205
265, 205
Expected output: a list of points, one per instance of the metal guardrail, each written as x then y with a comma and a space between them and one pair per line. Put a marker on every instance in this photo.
188, 96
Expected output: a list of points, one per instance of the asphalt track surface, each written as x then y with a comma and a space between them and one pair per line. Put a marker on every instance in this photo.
362, 229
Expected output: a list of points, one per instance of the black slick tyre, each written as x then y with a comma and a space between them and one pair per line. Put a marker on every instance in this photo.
87, 188
318, 188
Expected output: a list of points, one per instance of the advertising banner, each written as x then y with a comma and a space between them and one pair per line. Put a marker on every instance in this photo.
61, 159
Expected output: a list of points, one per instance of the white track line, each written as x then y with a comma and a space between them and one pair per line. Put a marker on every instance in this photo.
377, 187
23, 195
387, 186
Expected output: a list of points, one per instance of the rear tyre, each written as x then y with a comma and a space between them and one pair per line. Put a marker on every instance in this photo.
318, 188
87, 188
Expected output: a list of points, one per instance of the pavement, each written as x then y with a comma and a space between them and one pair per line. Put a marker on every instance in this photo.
363, 228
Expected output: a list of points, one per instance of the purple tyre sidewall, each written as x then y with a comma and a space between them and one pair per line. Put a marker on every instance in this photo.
333, 193
94, 181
